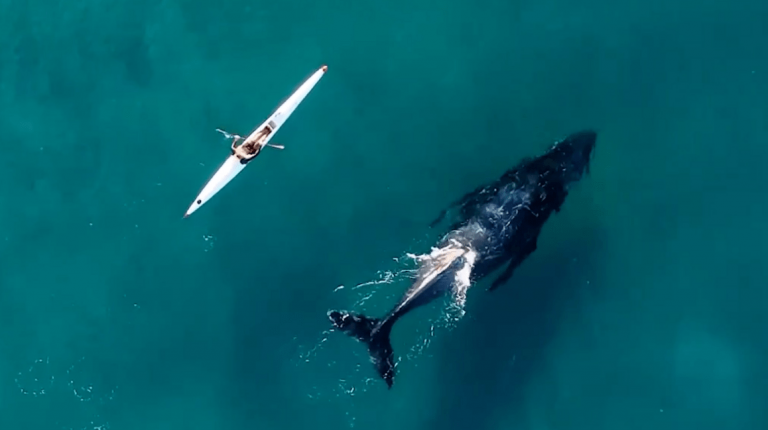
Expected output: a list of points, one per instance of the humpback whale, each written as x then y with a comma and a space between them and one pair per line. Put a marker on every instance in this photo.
497, 224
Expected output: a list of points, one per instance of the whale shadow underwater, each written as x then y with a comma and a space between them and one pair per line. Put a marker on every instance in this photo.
497, 224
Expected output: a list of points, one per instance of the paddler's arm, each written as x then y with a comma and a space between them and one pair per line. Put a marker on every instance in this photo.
234, 144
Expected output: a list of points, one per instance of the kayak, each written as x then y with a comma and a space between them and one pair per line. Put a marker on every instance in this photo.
232, 165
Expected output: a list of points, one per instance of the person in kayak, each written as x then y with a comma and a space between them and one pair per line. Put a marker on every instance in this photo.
246, 151
249, 149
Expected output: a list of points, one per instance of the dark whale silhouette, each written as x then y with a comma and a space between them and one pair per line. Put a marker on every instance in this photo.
498, 223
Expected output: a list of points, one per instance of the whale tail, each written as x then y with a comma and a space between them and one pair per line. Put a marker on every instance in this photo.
374, 333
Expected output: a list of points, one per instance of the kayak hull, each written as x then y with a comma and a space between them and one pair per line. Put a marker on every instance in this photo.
232, 166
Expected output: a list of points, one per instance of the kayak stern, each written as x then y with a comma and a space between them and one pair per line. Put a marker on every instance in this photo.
231, 167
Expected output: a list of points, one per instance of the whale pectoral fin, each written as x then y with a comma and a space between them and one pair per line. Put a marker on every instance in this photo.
439, 218
513, 264
468, 202
472, 200
504, 277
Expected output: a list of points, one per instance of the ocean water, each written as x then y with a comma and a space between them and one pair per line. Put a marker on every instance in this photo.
643, 308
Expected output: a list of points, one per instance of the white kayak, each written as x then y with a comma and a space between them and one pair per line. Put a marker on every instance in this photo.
233, 165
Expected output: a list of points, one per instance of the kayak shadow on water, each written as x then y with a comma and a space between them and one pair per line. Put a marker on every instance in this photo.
492, 355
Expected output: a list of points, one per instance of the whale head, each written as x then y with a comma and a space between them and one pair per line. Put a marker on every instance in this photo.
571, 156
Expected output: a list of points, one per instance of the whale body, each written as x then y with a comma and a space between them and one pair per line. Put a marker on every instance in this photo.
497, 225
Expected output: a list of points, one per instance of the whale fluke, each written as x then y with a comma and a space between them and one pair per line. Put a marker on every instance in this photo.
374, 333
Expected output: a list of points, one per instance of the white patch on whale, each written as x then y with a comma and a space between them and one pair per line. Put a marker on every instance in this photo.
440, 259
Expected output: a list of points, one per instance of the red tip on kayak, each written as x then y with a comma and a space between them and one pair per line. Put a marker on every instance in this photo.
325, 68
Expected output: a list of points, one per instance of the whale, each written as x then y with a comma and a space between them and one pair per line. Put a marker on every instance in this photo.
494, 227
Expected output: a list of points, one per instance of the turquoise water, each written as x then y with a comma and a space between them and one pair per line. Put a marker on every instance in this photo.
644, 306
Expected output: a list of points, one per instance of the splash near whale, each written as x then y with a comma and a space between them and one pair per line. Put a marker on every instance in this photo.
497, 225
